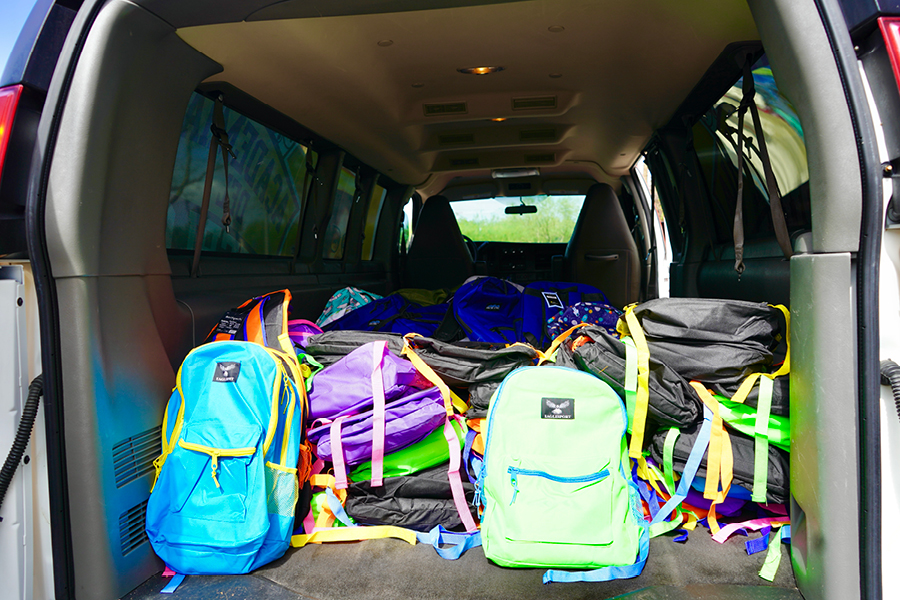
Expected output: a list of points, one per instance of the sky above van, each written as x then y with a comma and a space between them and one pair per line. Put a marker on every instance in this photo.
12, 17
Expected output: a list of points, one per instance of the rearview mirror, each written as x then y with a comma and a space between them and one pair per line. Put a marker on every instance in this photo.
520, 209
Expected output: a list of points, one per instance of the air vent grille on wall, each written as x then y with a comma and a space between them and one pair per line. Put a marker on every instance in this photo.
450, 108
464, 162
456, 138
540, 158
537, 103
537, 135
133, 457
132, 525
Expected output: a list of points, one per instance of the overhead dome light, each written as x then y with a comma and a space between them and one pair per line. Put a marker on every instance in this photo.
499, 119
480, 70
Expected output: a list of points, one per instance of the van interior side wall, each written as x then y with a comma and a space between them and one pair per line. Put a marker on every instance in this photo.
125, 322
119, 321
824, 463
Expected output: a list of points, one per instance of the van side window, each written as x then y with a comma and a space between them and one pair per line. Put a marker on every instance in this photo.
265, 186
336, 233
373, 215
716, 144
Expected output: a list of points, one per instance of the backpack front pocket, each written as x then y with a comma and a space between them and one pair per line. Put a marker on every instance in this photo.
540, 500
218, 468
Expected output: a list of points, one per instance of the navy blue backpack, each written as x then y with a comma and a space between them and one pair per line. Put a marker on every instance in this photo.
394, 314
490, 310
543, 300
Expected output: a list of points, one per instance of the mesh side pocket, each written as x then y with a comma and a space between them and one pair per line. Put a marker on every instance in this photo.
282, 490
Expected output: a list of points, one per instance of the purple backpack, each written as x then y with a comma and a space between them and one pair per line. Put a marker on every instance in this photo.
345, 388
300, 330
406, 421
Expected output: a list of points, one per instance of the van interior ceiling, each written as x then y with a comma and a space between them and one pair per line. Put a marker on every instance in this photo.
375, 94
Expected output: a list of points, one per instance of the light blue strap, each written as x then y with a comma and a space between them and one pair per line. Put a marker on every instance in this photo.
338, 510
173, 584
690, 469
605, 573
467, 448
460, 541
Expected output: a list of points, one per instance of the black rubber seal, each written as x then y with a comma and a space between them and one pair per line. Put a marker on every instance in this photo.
867, 275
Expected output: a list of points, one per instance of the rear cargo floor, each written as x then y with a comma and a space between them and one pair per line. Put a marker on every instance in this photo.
700, 568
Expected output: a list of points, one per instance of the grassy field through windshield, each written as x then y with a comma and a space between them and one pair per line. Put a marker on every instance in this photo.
485, 221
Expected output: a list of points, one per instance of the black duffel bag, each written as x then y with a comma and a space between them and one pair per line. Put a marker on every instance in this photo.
418, 502
672, 402
476, 366
716, 342
743, 451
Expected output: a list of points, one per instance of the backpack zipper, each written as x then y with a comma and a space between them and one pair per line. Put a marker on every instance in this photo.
514, 473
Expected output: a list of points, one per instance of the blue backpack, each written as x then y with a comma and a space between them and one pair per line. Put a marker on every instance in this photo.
490, 310
393, 313
544, 300
233, 459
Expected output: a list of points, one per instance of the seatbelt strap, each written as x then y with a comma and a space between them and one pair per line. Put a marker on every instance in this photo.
778, 221
218, 138
746, 100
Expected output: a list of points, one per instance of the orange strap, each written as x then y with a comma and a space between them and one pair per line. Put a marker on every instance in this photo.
720, 458
557, 342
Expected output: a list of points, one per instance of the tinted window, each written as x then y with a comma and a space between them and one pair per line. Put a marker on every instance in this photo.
336, 232
265, 186
716, 148
486, 220
373, 215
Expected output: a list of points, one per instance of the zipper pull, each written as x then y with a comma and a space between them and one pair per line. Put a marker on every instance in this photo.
514, 480
215, 465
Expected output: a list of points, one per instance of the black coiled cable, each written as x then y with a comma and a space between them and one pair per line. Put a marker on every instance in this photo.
23, 434
890, 375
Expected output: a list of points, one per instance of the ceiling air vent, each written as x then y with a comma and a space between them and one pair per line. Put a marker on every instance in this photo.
133, 457
450, 108
537, 135
540, 158
448, 139
464, 162
537, 103
132, 527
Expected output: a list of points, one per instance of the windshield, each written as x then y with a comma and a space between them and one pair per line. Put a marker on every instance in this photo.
486, 220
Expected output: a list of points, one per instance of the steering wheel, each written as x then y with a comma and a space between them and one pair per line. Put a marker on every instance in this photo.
472, 246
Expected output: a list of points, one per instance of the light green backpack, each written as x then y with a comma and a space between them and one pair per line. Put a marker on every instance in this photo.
556, 484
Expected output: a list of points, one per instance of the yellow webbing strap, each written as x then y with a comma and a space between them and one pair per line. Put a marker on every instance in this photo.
354, 534
786, 366
557, 342
451, 400
720, 459
631, 326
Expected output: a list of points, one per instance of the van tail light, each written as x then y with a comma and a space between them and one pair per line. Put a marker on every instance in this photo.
9, 101
890, 31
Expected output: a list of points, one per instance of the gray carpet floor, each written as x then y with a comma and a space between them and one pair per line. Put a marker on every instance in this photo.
392, 569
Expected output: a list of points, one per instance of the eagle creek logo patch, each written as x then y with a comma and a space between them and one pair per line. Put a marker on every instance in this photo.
227, 372
557, 408
552, 300
492, 307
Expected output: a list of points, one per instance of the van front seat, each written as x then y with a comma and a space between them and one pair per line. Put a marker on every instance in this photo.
602, 251
437, 256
